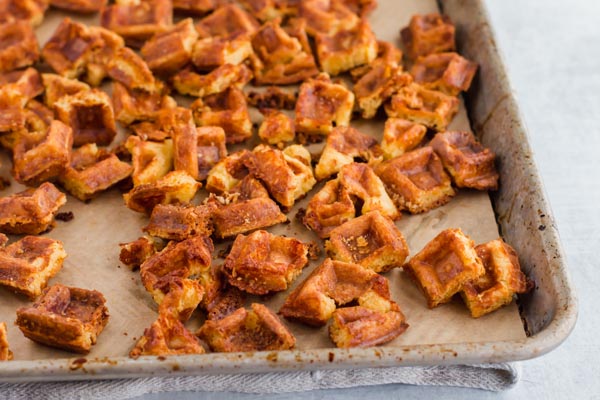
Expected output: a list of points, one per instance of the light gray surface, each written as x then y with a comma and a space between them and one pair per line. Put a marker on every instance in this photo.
552, 52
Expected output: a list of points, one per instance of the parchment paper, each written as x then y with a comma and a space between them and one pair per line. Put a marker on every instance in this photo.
91, 240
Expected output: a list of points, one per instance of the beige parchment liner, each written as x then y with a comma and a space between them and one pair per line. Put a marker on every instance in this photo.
91, 240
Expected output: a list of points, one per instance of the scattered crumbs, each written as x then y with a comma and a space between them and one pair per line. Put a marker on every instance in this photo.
65, 216
300, 214
4, 182
314, 250
542, 227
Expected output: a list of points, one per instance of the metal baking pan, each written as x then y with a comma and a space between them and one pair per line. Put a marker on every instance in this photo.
524, 219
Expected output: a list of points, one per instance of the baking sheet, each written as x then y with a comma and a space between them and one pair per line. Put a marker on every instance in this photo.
91, 240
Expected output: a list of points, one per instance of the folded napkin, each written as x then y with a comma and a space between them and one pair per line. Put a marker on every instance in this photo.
494, 377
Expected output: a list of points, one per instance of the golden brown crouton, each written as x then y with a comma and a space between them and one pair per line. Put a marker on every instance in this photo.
31, 211
64, 317
256, 330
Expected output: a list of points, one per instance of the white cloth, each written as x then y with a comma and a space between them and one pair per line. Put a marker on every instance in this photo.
494, 377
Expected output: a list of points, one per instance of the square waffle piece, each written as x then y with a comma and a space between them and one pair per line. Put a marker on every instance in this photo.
400, 136
92, 171
344, 146
282, 55
41, 156
166, 336
427, 34
18, 46
257, 329
286, 174
322, 105
329, 208
31, 11
433, 109
174, 187
90, 114
68, 318
346, 49
136, 21
227, 110
447, 72
70, 48
444, 266
27, 265
469, 163
370, 240
502, 279
261, 262
167, 52
31, 211
416, 180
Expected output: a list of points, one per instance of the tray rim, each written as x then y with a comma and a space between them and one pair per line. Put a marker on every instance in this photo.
548, 338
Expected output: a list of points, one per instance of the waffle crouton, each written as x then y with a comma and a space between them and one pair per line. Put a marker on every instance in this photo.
468, 162
361, 181
345, 145
246, 216
227, 75
168, 274
56, 86
433, 109
287, 174
228, 110
179, 222
174, 187
92, 171
91, 116
346, 49
327, 16
38, 158
31, 211
27, 265
27, 82
31, 11
447, 72
329, 208
400, 136
166, 336
261, 263
416, 180
370, 240
282, 56
136, 21
322, 105
65, 317
18, 46
70, 48
427, 34
167, 52
502, 279
151, 160
276, 128
131, 105
444, 266
256, 330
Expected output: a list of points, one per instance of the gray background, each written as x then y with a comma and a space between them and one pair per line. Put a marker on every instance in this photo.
552, 52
